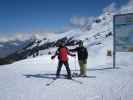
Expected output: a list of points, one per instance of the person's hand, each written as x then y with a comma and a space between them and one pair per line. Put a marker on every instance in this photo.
74, 55
52, 57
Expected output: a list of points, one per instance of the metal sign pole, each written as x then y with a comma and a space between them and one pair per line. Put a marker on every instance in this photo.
114, 43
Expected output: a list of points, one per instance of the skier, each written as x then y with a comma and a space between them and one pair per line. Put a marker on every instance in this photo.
62, 53
82, 58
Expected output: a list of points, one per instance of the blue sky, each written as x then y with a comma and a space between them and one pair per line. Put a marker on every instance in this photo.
46, 15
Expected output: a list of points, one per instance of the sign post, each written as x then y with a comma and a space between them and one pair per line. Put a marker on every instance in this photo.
123, 34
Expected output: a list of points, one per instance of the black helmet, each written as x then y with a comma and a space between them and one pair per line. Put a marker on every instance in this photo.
61, 43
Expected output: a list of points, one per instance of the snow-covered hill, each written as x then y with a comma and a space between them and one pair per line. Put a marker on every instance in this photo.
27, 79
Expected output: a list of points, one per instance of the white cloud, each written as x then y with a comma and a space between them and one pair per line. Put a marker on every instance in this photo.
16, 36
111, 8
80, 21
128, 8
26, 36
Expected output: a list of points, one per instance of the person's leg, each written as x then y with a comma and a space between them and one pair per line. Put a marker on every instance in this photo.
84, 70
68, 70
81, 67
59, 68
37, 53
84, 67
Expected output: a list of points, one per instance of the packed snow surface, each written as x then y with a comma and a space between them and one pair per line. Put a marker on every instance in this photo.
27, 79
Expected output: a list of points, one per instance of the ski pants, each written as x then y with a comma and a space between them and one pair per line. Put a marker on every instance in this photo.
60, 63
82, 64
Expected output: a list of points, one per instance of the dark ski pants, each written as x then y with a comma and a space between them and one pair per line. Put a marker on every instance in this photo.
60, 63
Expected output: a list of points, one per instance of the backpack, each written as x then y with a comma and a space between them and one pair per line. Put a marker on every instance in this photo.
63, 52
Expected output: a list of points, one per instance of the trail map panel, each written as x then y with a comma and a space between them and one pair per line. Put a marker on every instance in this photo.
123, 30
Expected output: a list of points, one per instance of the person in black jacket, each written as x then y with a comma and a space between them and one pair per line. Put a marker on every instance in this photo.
62, 53
82, 58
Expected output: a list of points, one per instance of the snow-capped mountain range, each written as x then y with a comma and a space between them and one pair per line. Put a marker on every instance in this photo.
91, 32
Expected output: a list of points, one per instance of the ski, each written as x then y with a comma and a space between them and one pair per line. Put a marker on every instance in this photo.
77, 76
77, 81
51, 82
54, 79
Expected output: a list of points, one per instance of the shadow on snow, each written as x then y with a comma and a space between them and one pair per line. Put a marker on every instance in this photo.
63, 76
52, 76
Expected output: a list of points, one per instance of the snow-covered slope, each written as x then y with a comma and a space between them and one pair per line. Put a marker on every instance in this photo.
27, 79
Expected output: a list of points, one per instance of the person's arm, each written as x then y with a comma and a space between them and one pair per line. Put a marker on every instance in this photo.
86, 53
70, 53
73, 50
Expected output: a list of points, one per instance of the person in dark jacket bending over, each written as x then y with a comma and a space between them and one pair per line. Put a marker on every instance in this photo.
62, 53
82, 58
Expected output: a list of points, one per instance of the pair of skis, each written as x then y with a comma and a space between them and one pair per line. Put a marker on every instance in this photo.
54, 79
75, 75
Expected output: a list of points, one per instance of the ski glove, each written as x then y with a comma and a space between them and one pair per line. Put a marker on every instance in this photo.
52, 57
74, 55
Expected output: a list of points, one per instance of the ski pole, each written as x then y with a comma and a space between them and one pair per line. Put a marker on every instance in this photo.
75, 63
